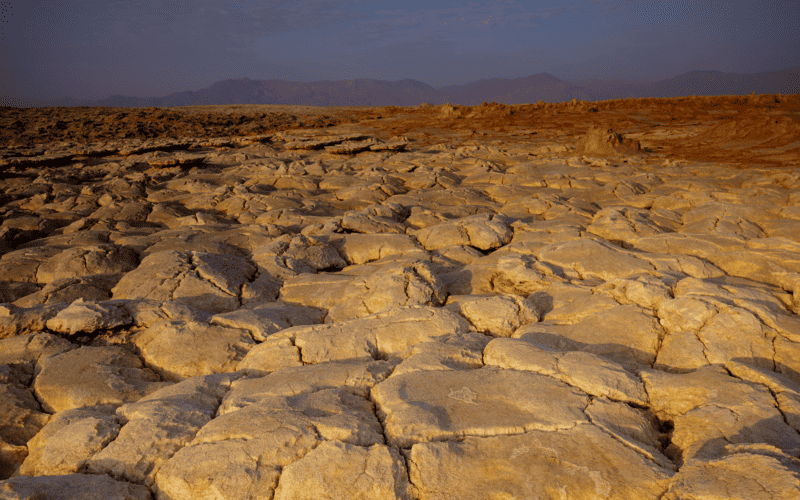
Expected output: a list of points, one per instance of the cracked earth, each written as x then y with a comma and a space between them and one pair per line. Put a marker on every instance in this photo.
566, 301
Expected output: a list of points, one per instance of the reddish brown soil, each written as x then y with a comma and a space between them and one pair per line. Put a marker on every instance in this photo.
740, 131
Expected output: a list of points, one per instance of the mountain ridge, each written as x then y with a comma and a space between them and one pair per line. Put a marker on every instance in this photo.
409, 92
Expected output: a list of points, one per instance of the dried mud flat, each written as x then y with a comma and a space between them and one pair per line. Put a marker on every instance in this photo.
579, 300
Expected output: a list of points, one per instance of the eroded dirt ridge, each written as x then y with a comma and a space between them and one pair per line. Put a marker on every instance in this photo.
551, 301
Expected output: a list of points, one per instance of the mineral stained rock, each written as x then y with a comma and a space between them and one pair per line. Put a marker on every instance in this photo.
578, 300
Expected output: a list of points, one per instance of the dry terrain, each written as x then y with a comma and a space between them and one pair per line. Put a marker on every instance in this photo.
585, 300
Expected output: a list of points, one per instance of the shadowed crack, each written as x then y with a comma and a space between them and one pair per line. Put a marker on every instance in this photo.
662, 334
780, 410
773, 393
705, 347
774, 354
629, 445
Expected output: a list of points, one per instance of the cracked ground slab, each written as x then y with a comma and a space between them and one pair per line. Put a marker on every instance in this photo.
433, 314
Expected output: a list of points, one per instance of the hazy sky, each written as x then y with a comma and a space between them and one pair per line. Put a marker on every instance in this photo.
150, 48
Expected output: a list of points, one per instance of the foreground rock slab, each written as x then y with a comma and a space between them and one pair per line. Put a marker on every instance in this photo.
438, 405
73, 486
582, 462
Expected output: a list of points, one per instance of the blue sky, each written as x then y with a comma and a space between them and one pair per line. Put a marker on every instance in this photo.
150, 48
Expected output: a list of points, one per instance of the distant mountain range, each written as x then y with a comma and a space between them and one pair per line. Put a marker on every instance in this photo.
530, 89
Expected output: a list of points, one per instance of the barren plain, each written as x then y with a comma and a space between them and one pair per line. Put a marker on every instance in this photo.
584, 300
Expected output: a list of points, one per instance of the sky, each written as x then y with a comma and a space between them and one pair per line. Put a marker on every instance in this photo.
151, 48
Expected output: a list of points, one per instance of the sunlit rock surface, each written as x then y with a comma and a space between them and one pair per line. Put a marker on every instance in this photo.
537, 301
